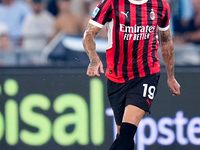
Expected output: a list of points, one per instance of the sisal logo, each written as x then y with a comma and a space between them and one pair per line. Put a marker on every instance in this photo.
87, 119
136, 32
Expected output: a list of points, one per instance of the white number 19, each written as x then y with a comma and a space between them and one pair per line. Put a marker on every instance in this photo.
151, 90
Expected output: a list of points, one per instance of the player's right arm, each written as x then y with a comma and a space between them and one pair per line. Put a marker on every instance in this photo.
167, 49
90, 48
99, 17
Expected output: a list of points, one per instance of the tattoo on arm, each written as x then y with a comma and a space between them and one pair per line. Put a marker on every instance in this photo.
89, 42
167, 49
93, 63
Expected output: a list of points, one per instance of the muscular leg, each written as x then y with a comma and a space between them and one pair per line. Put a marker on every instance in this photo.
133, 115
131, 119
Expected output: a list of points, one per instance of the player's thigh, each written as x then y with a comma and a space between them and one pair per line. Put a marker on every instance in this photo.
133, 115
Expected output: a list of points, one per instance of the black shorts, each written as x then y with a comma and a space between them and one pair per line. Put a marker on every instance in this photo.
139, 92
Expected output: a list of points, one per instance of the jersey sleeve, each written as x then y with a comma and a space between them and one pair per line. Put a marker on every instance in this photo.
101, 13
164, 22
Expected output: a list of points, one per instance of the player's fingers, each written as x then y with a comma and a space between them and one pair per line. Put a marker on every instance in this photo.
96, 72
101, 68
175, 91
89, 73
174, 94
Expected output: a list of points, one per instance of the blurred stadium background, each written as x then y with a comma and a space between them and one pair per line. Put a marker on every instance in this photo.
46, 100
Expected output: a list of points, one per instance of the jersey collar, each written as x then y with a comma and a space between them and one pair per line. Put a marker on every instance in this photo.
138, 2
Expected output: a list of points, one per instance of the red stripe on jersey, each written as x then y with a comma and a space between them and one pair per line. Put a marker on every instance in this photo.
104, 10
100, 19
110, 53
163, 12
151, 39
168, 15
94, 10
155, 66
121, 35
130, 44
141, 42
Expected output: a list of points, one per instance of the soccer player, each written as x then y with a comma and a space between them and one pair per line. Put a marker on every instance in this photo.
133, 68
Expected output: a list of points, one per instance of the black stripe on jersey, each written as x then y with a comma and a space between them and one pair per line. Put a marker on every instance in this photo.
154, 48
146, 42
100, 7
116, 59
125, 63
107, 15
159, 11
136, 42
165, 20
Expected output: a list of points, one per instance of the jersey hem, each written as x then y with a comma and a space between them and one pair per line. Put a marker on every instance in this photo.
121, 80
95, 23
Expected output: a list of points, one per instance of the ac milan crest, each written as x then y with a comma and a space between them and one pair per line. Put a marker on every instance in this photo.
152, 15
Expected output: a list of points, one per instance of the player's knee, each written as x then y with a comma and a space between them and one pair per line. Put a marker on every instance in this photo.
132, 120
133, 115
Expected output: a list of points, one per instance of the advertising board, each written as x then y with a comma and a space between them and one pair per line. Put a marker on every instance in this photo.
56, 109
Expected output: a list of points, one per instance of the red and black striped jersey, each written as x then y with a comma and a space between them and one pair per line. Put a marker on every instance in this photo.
132, 36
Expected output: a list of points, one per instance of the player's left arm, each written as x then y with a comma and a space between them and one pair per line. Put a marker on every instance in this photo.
167, 49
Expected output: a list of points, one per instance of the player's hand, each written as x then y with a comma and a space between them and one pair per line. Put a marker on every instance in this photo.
174, 86
94, 67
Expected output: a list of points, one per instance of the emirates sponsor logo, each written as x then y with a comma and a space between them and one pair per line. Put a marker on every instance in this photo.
137, 29
136, 32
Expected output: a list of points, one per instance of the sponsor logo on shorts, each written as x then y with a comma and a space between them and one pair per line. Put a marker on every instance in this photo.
149, 103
